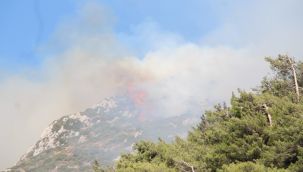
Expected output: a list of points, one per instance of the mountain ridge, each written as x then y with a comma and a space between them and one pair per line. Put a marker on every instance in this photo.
101, 132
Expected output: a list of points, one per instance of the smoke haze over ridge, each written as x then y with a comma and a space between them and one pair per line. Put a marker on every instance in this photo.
88, 61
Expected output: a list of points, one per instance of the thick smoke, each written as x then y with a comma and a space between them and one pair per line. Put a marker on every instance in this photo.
87, 62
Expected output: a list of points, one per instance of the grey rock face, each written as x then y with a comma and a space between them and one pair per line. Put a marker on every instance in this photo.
101, 133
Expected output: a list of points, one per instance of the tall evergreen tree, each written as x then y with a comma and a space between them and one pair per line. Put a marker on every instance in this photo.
97, 167
260, 131
288, 76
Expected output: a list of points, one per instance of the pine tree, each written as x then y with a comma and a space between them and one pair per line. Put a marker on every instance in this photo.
260, 131
97, 167
286, 77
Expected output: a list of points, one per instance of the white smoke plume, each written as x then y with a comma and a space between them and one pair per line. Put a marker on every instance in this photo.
87, 62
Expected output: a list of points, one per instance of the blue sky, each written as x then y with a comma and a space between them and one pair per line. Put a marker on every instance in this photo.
183, 54
26, 25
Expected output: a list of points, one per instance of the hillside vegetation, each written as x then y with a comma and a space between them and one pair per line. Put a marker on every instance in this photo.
261, 130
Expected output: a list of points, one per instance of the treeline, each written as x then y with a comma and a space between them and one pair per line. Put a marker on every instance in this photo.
261, 130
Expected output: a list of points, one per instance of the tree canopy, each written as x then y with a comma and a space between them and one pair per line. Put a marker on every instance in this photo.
260, 130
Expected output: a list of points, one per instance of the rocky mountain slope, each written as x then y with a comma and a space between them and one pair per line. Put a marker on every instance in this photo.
101, 133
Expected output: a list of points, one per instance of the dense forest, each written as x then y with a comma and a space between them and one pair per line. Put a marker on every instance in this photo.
259, 130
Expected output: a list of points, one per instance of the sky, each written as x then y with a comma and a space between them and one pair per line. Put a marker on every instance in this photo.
28, 24
60, 57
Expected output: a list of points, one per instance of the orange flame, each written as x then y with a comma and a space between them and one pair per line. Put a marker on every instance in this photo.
139, 98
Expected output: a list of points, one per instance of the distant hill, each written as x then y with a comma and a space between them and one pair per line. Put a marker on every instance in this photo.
101, 133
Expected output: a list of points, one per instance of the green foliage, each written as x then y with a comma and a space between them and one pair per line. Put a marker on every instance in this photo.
146, 167
97, 167
236, 138
249, 167
281, 83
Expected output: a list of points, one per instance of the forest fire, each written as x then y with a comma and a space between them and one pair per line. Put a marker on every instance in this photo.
139, 97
